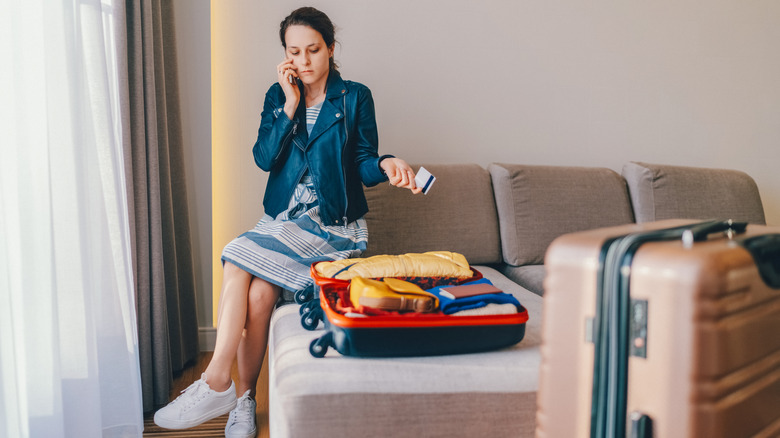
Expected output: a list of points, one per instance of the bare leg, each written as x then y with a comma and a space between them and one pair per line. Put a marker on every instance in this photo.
231, 318
251, 350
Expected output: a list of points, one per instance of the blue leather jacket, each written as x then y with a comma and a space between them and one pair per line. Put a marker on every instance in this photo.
340, 154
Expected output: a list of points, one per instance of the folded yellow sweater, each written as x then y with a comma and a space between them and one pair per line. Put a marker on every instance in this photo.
391, 294
427, 264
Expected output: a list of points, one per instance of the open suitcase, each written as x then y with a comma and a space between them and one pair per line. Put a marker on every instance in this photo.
312, 312
405, 334
666, 329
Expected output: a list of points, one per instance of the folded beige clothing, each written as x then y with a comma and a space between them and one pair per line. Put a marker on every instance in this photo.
427, 264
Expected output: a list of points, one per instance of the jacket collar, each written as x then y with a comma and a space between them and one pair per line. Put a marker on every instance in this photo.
332, 108
336, 86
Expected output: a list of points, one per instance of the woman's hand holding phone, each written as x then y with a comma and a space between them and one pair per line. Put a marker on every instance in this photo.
286, 75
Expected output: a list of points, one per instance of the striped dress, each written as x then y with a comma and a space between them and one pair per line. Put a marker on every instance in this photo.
281, 249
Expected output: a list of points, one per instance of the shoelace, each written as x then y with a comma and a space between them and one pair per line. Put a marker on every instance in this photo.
242, 412
193, 394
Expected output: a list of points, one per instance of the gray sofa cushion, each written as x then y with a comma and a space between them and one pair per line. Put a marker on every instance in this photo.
536, 204
458, 210
668, 192
486, 394
530, 277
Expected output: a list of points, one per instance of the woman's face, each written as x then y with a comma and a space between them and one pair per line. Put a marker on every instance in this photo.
309, 53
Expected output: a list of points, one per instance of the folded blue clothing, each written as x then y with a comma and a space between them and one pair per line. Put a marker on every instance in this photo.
449, 306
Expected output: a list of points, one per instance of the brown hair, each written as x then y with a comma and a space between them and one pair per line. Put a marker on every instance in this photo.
315, 19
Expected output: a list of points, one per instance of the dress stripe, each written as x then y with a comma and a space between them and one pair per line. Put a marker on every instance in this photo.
282, 249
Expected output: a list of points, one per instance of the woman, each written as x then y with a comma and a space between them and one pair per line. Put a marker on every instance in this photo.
318, 139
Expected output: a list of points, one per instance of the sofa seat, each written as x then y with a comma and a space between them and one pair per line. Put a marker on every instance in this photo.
530, 277
456, 395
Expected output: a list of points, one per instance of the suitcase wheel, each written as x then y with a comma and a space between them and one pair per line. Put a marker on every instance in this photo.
310, 320
319, 346
304, 296
308, 307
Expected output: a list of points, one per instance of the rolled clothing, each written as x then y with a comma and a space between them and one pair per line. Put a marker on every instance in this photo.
449, 306
489, 309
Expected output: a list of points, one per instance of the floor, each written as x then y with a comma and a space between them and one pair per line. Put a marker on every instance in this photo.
215, 427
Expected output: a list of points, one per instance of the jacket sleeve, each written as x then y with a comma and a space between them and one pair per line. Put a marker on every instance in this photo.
367, 142
276, 130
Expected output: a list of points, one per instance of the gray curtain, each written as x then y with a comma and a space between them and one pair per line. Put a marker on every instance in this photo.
157, 201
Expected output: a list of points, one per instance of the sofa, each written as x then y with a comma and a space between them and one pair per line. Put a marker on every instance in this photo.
502, 218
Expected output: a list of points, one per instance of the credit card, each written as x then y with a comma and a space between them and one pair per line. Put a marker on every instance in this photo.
424, 180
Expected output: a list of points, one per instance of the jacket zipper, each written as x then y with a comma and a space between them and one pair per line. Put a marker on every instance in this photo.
284, 140
300, 174
343, 152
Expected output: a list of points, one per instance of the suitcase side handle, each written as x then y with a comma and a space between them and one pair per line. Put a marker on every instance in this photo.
765, 250
641, 425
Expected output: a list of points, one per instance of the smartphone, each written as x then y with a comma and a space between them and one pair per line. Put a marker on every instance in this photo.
291, 78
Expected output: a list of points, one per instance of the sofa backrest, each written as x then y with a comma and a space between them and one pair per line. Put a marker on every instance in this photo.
458, 214
669, 192
536, 204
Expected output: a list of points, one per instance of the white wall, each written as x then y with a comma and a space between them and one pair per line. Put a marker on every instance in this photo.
193, 50
564, 82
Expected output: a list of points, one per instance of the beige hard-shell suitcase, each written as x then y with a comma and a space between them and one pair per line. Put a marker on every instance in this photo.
680, 339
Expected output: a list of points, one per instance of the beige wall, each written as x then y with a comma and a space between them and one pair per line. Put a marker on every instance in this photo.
193, 51
595, 83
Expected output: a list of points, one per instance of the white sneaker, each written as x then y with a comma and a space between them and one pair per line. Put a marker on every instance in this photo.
196, 404
242, 422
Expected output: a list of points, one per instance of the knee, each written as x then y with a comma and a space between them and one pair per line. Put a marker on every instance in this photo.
229, 270
262, 295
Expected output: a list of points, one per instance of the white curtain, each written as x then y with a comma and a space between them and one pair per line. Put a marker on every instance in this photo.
68, 344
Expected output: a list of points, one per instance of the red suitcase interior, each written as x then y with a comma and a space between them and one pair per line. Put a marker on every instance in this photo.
386, 333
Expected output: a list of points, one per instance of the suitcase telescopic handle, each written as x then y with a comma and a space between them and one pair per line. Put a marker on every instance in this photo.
700, 232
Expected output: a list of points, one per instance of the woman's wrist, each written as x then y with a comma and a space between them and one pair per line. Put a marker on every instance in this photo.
289, 109
379, 163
